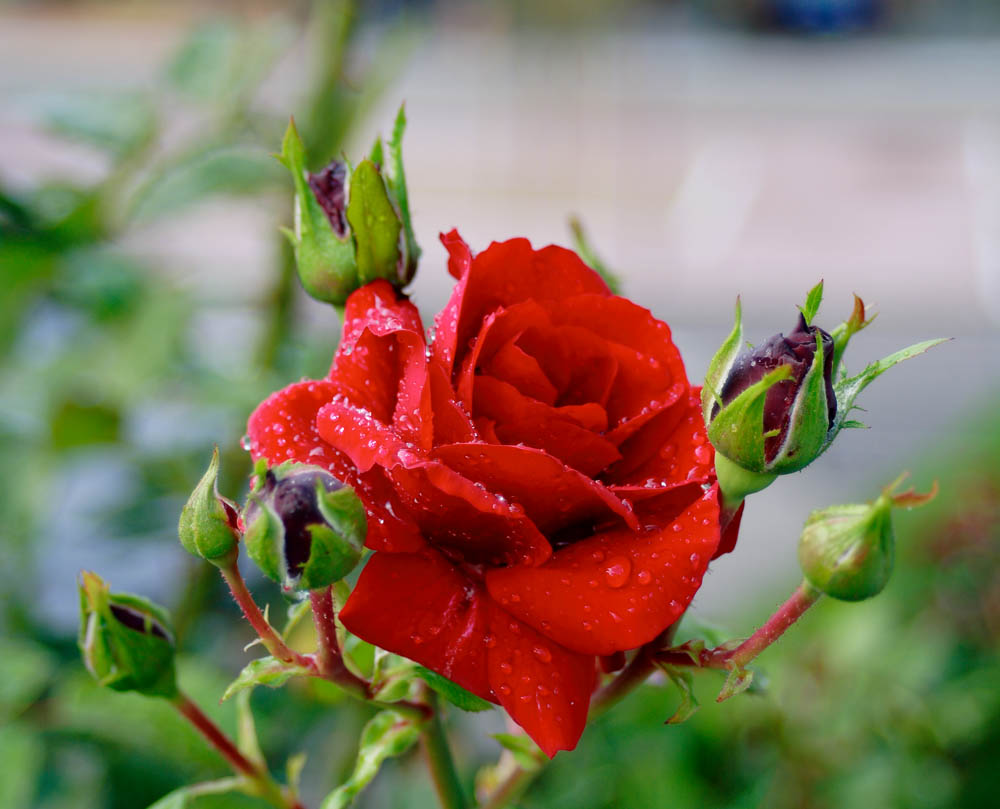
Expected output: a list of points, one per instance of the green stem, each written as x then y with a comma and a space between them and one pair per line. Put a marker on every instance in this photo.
440, 761
271, 640
511, 788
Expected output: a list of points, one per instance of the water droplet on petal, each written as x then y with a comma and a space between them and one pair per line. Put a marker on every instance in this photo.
617, 571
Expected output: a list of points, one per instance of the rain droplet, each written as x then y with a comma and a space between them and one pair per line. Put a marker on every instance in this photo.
617, 571
643, 577
543, 654
245, 443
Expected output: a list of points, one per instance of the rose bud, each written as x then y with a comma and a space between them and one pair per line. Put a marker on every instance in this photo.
352, 224
126, 641
209, 524
774, 409
847, 551
304, 528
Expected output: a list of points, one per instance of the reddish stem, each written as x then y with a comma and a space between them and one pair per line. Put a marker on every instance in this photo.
271, 640
329, 659
786, 615
216, 738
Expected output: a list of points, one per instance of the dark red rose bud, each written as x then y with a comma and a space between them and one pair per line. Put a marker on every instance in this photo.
796, 351
304, 527
330, 191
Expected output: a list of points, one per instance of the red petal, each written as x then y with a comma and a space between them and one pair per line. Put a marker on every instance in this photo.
671, 450
498, 329
552, 494
284, 428
545, 688
420, 606
452, 424
459, 254
504, 274
619, 589
519, 419
730, 533
362, 437
512, 365
381, 363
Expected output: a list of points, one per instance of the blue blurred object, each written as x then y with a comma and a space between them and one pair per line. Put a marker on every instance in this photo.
825, 16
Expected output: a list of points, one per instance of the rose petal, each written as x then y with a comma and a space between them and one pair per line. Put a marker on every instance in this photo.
284, 428
450, 510
545, 688
671, 450
504, 274
381, 364
730, 534
452, 423
552, 494
619, 589
510, 364
519, 419
420, 606
498, 329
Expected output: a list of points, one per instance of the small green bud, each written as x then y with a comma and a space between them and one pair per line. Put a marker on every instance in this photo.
304, 528
126, 641
352, 225
209, 524
847, 551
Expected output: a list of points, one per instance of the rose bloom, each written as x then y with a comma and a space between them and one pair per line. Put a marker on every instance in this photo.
539, 486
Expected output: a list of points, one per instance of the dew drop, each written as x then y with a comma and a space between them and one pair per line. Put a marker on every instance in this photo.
543, 654
617, 571
643, 577
245, 443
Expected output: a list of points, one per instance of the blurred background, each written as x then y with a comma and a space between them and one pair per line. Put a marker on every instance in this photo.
711, 148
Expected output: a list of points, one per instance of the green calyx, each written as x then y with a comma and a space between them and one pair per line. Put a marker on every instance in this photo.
305, 529
847, 551
352, 224
208, 524
126, 641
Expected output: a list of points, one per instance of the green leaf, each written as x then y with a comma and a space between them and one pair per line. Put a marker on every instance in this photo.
455, 694
293, 770
25, 671
267, 671
721, 365
118, 123
590, 258
387, 735
526, 753
396, 182
847, 390
737, 682
23, 756
813, 300
187, 797
374, 223
689, 705
215, 169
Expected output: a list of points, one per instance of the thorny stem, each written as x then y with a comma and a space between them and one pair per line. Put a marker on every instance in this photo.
271, 640
260, 777
440, 761
802, 599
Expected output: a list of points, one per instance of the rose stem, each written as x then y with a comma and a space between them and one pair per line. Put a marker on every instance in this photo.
802, 599
271, 640
330, 662
440, 761
215, 737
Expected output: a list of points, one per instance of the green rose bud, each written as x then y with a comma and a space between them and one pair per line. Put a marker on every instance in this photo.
209, 524
304, 528
126, 641
352, 225
848, 551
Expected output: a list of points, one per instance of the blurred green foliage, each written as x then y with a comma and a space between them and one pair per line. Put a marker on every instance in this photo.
890, 703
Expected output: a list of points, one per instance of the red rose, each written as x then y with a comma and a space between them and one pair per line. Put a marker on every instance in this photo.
539, 485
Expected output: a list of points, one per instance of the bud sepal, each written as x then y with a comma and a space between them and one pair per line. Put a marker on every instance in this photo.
126, 641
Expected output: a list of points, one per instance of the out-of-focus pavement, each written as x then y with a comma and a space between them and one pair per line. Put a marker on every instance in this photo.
704, 165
